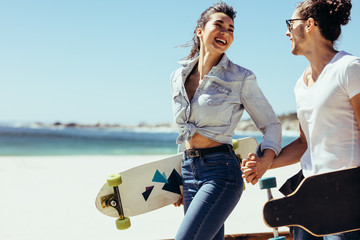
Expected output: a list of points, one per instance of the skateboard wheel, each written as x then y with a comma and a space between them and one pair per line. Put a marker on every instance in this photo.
235, 144
123, 224
278, 238
267, 183
114, 180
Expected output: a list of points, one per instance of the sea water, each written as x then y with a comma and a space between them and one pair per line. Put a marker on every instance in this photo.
62, 141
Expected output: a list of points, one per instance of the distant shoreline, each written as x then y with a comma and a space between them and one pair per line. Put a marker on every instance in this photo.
289, 124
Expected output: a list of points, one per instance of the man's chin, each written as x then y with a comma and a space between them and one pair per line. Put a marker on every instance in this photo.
295, 51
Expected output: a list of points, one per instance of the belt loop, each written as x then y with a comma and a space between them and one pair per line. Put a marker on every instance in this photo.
231, 149
201, 155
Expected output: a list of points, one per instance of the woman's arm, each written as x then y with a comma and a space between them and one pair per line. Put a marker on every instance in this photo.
267, 122
262, 114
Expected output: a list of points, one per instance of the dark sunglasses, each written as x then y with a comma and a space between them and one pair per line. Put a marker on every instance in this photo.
289, 21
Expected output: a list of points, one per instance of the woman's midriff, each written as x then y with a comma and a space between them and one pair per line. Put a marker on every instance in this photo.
199, 141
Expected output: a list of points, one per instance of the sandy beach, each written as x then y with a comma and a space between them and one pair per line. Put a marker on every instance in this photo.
53, 198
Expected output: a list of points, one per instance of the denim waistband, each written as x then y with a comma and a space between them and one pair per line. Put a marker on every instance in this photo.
198, 152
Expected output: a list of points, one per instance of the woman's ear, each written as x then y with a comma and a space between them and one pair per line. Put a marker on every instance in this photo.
199, 32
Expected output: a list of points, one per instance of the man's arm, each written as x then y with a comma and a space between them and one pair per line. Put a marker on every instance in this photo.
292, 153
355, 102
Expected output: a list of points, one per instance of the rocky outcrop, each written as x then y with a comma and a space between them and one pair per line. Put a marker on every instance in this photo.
289, 122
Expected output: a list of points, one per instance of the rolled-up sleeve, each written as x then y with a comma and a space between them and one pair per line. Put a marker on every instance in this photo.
262, 114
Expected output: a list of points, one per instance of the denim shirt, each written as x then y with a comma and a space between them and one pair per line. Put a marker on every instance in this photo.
218, 104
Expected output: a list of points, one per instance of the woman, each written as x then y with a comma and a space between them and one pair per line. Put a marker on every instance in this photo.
209, 95
327, 96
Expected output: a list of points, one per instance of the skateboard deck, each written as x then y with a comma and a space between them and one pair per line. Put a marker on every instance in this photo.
154, 185
145, 188
322, 204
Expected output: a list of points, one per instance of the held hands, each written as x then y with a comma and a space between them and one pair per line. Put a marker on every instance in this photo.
179, 201
254, 167
249, 169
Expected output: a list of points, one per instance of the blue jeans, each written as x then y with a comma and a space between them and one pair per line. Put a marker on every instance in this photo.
212, 188
301, 234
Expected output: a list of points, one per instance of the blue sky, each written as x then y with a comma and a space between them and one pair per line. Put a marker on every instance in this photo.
109, 61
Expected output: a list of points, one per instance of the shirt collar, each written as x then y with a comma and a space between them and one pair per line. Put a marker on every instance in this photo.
224, 62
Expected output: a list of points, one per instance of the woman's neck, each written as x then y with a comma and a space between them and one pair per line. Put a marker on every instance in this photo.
206, 62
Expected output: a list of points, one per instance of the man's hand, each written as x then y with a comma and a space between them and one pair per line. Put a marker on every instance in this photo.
254, 167
179, 201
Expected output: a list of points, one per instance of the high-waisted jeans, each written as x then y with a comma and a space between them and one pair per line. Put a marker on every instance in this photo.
212, 188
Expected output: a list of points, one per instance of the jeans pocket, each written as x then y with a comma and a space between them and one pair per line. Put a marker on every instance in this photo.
239, 181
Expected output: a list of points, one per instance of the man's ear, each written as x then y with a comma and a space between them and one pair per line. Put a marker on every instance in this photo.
310, 25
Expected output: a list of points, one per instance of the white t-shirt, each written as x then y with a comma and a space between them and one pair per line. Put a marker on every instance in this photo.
327, 117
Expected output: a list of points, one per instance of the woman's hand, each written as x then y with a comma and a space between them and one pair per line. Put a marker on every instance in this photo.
255, 167
179, 201
248, 167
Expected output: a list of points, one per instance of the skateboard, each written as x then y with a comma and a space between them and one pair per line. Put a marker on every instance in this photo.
150, 186
268, 183
322, 204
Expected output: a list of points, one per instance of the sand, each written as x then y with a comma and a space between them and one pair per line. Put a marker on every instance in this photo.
46, 198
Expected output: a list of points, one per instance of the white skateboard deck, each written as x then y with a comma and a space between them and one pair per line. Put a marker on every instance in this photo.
154, 185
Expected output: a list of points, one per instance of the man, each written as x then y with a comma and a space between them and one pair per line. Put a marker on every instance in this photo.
327, 97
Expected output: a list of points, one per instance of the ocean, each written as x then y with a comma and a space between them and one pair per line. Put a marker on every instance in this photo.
62, 141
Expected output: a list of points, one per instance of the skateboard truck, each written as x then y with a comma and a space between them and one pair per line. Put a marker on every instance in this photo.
268, 183
114, 180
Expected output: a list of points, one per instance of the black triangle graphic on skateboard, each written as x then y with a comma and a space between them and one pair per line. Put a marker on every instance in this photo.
174, 182
146, 194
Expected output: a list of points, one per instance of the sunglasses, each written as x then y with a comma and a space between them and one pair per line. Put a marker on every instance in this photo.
289, 21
